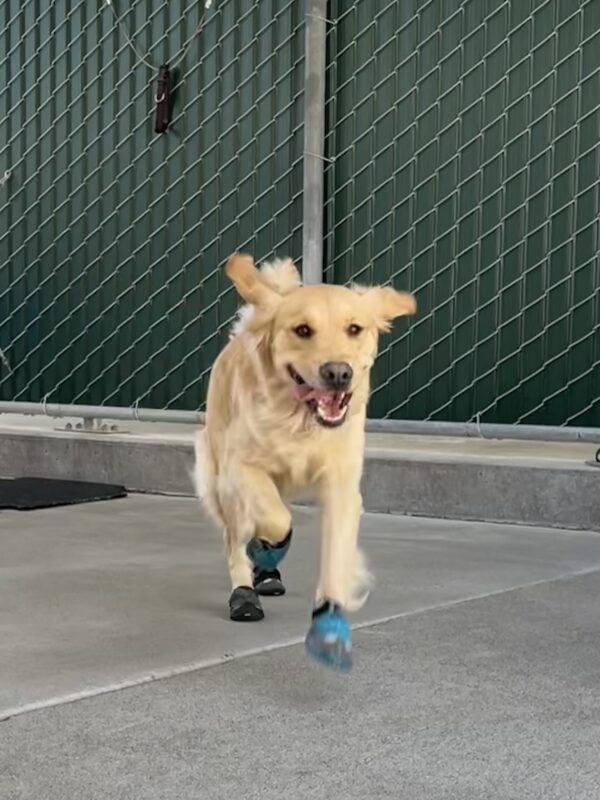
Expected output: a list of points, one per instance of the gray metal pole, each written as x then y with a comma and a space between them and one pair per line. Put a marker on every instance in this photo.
127, 413
485, 430
540, 433
314, 141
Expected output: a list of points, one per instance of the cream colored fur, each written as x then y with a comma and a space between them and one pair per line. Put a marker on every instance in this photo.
261, 444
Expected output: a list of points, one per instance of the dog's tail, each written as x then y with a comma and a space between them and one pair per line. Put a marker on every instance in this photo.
361, 583
204, 478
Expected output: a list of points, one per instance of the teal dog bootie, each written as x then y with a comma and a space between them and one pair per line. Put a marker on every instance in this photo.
329, 638
265, 558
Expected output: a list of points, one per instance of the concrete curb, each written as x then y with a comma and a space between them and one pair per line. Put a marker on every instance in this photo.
524, 494
542, 492
140, 464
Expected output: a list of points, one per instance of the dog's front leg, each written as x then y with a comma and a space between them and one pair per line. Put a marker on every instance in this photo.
340, 521
257, 537
329, 637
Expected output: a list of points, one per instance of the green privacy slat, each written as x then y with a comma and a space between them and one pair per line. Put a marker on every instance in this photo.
112, 238
466, 167
486, 164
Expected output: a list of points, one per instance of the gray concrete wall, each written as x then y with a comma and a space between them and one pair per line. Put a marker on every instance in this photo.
401, 475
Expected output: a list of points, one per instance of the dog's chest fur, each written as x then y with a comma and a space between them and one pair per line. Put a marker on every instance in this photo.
297, 461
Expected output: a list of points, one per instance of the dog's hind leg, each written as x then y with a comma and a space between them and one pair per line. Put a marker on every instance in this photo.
225, 504
244, 603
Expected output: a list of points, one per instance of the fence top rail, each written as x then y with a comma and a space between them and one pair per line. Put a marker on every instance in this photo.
547, 433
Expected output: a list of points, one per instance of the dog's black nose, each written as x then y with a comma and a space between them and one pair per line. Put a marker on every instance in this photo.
336, 375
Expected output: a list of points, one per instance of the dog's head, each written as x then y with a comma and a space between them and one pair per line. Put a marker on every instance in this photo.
322, 339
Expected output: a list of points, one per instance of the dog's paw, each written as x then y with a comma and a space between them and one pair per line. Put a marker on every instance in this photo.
329, 639
244, 605
267, 582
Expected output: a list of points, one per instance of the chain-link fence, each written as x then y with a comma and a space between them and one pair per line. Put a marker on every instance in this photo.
462, 161
113, 237
467, 168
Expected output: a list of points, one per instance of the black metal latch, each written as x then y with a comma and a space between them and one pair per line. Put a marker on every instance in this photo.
163, 100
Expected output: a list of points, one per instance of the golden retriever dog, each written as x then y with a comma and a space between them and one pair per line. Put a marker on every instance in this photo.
285, 412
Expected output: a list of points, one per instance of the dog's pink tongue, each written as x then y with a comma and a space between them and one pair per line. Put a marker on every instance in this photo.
330, 401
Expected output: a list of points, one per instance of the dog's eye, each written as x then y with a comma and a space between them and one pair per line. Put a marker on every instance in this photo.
354, 330
303, 331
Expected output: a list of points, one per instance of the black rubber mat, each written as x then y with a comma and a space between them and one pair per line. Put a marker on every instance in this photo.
25, 494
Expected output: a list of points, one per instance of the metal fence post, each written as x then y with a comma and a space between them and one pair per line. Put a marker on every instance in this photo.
314, 136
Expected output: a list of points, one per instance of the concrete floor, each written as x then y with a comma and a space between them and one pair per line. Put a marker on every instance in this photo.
120, 677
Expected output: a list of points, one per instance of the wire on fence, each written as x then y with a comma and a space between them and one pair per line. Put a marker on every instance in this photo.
467, 168
112, 238
461, 161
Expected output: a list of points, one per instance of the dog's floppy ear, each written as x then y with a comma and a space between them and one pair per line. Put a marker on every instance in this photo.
249, 282
386, 303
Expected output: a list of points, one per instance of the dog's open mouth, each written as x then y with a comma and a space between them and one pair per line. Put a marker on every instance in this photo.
329, 407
